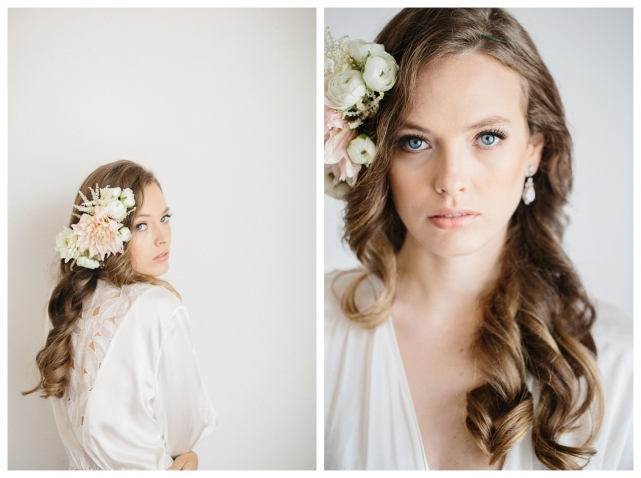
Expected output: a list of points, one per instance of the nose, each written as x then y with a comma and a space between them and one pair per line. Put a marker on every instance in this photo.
451, 175
163, 236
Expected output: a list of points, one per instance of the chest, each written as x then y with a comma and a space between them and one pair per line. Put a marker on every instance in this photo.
440, 369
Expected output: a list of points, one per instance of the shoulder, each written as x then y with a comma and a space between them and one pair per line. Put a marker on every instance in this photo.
152, 306
612, 333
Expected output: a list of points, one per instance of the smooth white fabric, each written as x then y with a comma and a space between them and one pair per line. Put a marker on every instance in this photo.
370, 422
135, 398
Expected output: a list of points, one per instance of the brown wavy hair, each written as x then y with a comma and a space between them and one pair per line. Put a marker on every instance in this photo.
537, 316
77, 284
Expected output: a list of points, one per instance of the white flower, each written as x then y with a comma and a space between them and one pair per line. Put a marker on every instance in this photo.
361, 150
359, 50
380, 71
117, 210
84, 261
66, 244
344, 89
125, 233
127, 197
109, 194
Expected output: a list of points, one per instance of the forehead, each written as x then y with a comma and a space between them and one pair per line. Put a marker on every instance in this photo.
467, 88
154, 199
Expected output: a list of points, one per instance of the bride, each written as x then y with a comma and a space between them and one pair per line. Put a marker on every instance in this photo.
118, 361
466, 339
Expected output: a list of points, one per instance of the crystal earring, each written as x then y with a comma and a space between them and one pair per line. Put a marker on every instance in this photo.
528, 190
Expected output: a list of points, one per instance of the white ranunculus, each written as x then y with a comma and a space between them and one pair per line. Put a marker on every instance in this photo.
345, 89
66, 244
127, 197
361, 150
125, 233
109, 194
117, 210
380, 71
84, 261
359, 50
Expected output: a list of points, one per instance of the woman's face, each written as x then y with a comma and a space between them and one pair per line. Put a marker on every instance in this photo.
151, 234
462, 157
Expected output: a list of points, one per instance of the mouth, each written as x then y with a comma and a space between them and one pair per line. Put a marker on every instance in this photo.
452, 218
163, 256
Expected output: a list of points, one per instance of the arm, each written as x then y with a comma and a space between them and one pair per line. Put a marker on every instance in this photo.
181, 405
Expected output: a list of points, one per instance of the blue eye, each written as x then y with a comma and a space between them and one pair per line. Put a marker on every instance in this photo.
141, 227
413, 143
489, 139
165, 218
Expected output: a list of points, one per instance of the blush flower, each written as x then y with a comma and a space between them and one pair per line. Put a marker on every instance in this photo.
98, 234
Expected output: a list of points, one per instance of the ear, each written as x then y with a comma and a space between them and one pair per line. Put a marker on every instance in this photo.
534, 151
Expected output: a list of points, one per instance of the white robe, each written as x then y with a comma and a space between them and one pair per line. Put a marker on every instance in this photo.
135, 398
370, 422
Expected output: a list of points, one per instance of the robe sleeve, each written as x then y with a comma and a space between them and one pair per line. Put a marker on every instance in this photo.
182, 407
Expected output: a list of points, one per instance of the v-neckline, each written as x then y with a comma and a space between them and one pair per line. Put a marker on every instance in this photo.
405, 386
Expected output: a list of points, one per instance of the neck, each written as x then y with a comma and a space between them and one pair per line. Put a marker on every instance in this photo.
446, 285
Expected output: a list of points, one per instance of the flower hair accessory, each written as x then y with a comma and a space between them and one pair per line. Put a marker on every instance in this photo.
100, 231
357, 75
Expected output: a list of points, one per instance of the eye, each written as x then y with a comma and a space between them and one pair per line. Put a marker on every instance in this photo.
491, 138
141, 226
166, 217
413, 143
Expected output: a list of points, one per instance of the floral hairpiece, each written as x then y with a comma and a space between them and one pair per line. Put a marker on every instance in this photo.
99, 231
357, 75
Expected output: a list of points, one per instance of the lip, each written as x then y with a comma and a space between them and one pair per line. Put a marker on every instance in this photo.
162, 257
461, 218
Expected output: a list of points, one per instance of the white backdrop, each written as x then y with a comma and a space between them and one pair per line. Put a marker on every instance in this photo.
589, 52
220, 105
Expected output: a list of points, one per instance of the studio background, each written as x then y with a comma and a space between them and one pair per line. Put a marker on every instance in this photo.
220, 105
589, 53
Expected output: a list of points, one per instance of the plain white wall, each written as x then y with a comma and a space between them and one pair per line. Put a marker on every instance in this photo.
220, 104
589, 53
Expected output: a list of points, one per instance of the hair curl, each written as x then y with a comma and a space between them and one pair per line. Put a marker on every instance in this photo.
76, 285
537, 317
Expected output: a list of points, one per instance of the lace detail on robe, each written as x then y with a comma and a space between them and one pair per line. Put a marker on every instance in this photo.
90, 340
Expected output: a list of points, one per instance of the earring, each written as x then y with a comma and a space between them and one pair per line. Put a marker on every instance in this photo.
528, 190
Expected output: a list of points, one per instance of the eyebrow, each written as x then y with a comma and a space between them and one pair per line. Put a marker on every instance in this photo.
485, 122
148, 215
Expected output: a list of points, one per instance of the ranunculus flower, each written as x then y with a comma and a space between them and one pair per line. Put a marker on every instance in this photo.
125, 233
117, 210
98, 234
380, 71
360, 50
344, 89
84, 261
66, 244
127, 197
361, 150
109, 194
337, 135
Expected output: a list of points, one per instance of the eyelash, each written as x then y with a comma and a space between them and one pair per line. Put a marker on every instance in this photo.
402, 142
144, 223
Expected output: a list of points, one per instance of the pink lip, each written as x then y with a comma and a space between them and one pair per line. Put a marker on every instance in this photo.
162, 257
438, 219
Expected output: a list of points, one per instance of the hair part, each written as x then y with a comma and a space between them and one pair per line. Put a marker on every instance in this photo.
77, 284
537, 316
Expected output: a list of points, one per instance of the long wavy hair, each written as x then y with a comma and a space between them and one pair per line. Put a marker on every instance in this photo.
76, 285
536, 318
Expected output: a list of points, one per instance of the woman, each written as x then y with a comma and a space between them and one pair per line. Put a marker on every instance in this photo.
118, 361
466, 341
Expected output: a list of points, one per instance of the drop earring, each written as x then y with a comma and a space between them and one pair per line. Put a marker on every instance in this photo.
528, 190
